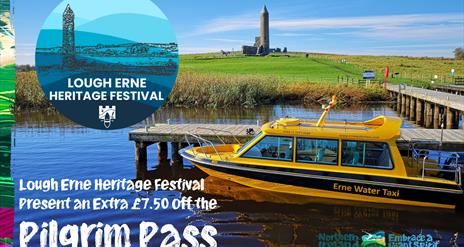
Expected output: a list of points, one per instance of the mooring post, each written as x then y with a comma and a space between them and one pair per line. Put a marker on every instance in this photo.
462, 120
436, 116
408, 106
175, 156
412, 110
403, 104
140, 159
457, 116
398, 102
419, 113
162, 151
449, 118
428, 114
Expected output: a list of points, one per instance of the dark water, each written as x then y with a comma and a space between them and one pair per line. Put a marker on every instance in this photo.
48, 145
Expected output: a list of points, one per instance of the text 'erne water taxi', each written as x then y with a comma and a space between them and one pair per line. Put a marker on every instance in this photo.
341, 160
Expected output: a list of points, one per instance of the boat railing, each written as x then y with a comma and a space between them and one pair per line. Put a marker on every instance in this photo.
218, 136
345, 126
439, 161
202, 143
415, 142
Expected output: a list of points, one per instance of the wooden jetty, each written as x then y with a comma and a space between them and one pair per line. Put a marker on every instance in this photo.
428, 108
162, 134
175, 134
453, 89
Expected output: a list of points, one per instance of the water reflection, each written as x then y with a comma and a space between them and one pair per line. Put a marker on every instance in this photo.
47, 143
230, 115
277, 219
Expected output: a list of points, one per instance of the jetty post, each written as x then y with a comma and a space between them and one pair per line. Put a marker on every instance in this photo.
162, 151
398, 101
141, 159
428, 115
403, 104
436, 116
412, 109
175, 156
408, 106
449, 118
427, 107
419, 113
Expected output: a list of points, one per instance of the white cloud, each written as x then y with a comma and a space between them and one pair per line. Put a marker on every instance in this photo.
293, 34
202, 49
433, 31
227, 24
369, 21
238, 41
386, 26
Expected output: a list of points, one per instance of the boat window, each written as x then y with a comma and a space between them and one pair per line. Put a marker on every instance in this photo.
366, 154
249, 142
272, 147
317, 151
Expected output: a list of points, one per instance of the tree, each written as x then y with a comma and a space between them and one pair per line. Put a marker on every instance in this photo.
459, 53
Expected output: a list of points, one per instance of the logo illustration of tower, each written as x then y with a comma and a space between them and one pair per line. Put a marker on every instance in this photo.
68, 49
265, 30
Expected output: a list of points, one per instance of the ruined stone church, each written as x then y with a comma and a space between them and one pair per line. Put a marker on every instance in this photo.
261, 46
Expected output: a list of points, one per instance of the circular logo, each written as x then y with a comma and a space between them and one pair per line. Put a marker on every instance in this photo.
107, 64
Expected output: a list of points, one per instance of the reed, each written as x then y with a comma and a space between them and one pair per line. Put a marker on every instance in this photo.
217, 91
29, 94
193, 89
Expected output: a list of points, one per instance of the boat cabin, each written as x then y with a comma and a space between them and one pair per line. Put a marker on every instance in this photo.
367, 146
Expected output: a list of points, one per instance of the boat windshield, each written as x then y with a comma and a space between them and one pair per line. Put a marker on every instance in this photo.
249, 142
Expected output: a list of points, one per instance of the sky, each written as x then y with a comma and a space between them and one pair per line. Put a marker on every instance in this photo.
382, 27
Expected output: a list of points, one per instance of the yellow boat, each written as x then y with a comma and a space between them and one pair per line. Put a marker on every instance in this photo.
342, 160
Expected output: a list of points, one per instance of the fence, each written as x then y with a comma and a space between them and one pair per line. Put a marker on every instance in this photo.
459, 80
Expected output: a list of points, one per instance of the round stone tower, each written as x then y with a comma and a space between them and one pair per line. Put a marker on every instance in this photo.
265, 30
68, 49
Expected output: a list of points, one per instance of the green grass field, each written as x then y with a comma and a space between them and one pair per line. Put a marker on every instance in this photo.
325, 67
410, 70
292, 68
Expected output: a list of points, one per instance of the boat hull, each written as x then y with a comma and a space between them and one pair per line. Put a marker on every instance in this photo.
327, 186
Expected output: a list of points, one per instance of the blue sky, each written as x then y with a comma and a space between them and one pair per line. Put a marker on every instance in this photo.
393, 27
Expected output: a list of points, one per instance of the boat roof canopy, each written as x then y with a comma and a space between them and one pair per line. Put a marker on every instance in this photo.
381, 128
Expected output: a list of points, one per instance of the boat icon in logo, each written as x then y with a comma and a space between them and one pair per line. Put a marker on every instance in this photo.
107, 114
374, 239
